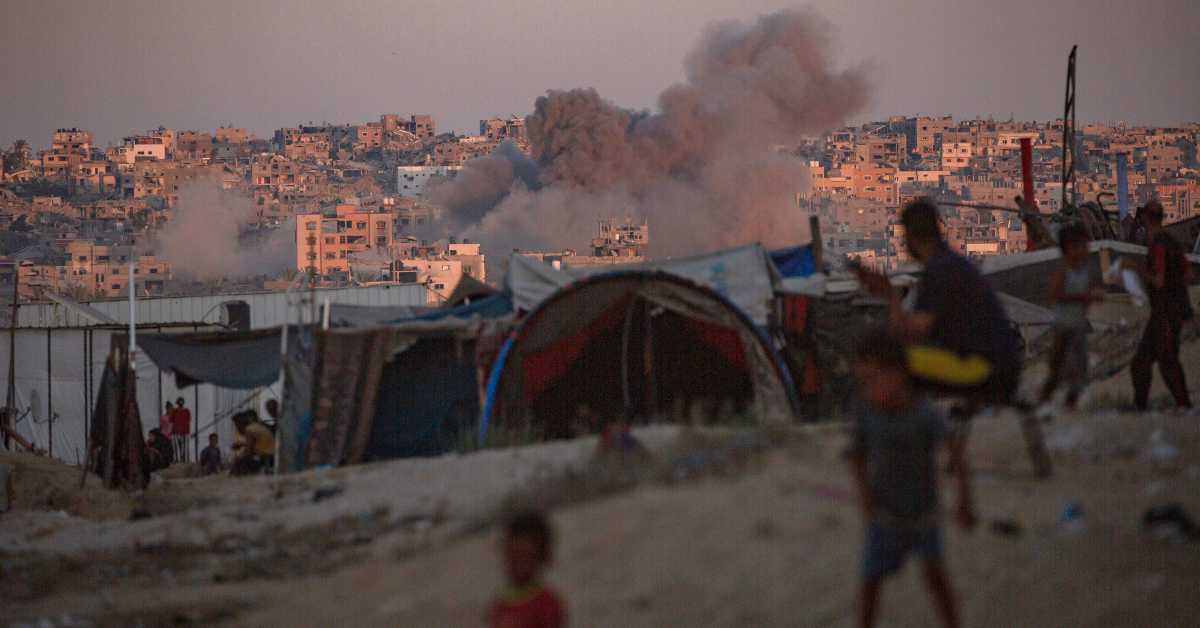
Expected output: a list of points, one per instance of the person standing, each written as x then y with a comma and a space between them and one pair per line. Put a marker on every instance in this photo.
166, 421
959, 339
892, 457
1166, 273
1073, 290
182, 427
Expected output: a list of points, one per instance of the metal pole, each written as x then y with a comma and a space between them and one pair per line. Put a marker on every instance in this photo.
196, 415
132, 320
10, 409
160, 399
50, 393
1027, 170
1122, 185
86, 401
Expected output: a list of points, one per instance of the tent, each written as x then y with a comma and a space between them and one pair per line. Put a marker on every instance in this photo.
745, 276
630, 345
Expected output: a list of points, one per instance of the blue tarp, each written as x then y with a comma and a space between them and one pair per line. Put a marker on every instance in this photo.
498, 305
795, 261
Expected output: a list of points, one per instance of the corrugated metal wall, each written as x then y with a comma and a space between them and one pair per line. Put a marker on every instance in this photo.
267, 309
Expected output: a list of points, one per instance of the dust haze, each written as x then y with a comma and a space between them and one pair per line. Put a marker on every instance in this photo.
206, 238
700, 169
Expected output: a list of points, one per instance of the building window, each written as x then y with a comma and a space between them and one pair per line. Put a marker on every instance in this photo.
445, 267
311, 226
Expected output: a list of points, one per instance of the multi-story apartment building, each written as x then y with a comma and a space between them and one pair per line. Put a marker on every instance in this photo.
929, 134
324, 243
193, 145
413, 181
94, 270
1163, 162
231, 135
956, 155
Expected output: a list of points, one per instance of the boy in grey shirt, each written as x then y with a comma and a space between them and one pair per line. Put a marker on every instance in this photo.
893, 458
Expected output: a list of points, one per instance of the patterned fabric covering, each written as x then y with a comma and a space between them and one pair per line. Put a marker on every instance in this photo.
345, 383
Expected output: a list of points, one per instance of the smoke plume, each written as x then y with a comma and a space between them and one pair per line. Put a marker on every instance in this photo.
205, 240
699, 169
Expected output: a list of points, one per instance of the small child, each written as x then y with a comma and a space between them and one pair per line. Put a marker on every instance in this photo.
893, 459
528, 548
1073, 289
210, 457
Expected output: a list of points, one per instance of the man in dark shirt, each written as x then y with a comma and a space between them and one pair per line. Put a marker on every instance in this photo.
960, 341
1166, 274
960, 338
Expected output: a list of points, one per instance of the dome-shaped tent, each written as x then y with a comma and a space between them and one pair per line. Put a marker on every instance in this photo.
630, 346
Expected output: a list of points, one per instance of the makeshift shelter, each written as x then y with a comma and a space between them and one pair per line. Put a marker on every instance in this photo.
402, 388
745, 276
117, 449
629, 346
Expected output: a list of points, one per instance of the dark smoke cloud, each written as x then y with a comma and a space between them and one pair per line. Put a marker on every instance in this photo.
700, 169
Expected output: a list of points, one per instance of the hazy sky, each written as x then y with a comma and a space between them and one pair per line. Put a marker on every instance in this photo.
114, 67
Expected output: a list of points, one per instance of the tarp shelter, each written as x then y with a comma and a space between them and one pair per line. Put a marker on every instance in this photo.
630, 346
393, 389
745, 276
239, 360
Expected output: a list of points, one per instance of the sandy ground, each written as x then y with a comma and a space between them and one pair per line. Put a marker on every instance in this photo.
728, 528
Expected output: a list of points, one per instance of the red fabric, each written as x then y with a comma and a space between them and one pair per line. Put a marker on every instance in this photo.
182, 418
542, 368
724, 339
1158, 258
795, 314
811, 382
166, 423
539, 609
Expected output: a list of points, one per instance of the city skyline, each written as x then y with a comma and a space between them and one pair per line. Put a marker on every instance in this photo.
116, 68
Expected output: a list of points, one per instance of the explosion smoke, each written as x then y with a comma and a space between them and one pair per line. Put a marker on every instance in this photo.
204, 240
700, 170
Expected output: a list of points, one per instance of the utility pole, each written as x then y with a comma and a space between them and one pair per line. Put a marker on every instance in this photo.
10, 409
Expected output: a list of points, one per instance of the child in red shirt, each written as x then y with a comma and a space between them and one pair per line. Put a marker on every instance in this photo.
528, 548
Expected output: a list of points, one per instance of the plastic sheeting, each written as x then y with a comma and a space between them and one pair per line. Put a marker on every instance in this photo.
240, 360
745, 276
62, 380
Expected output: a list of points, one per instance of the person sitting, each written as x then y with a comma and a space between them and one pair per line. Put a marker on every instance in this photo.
210, 457
162, 454
256, 452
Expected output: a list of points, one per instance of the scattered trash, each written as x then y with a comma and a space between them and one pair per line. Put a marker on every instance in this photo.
325, 492
1006, 527
1170, 521
1161, 450
1072, 519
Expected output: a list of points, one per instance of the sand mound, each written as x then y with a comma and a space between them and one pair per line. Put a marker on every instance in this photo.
45, 484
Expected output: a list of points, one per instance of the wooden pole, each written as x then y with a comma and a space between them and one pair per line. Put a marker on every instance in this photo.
818, 246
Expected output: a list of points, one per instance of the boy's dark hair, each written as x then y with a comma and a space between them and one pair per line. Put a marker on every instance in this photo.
881, 347
1070, 234
212, 437
532, 524
921, 219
